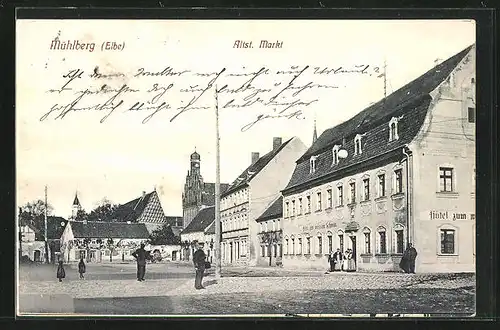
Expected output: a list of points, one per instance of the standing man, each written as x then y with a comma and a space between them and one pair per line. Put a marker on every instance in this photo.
412, 255
199, 264
140, 256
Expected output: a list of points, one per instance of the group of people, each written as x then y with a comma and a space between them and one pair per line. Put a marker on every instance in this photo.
346, 261
141, 256
342, 261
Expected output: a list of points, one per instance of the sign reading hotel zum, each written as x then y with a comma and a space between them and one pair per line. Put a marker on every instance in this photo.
453, 216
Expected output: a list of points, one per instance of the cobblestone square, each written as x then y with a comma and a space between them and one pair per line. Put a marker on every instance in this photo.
112, 289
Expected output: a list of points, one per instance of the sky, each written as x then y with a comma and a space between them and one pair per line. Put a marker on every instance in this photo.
122, 157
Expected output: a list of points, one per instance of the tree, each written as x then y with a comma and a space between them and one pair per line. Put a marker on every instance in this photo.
111, 246
81, 215
33, 214
104, 211
164, 236
270, 239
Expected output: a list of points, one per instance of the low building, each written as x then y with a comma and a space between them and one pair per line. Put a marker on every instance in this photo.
250, 194
197, 232
97, 241
270, 235
401, 171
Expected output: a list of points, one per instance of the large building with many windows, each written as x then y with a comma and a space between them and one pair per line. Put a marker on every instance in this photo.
250, 195
401, 171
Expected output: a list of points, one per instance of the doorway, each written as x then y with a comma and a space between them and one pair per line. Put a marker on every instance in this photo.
354, 251
36, 257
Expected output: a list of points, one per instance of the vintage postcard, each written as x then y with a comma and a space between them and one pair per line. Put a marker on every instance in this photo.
245, 167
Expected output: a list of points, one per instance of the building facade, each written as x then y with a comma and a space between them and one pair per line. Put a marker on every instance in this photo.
199, 231
400, 171
197, 193
97, 241
249, 196
270, 235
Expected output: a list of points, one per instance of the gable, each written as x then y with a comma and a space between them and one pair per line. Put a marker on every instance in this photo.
152, 211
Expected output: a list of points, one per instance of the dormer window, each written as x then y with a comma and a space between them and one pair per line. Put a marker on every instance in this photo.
335, 153
357, 145
393, 129
312, 164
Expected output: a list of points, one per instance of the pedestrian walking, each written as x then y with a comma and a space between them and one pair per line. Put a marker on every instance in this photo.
81, 268
140, 256
199, 264
60, 271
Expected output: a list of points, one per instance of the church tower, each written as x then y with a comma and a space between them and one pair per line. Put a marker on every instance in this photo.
75, 207
193, 190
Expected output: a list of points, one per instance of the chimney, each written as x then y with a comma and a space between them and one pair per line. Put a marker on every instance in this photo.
255, 157
276, 143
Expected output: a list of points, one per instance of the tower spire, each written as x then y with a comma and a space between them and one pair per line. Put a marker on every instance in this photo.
315, 133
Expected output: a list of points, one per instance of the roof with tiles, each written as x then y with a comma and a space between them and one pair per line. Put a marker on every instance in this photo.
100, 229
146, 208
201, 221
251, 171
273, 211
410, 104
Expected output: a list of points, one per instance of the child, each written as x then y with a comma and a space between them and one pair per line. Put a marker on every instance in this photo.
60, 271
81, 267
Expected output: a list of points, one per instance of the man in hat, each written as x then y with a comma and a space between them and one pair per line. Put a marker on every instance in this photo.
140, 256
199, 264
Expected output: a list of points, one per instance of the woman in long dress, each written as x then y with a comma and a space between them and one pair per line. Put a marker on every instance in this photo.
350, 262
345, 264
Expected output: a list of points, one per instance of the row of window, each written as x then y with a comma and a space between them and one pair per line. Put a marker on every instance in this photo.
274, 250
358, 150
291, 209
234, 250
238, 222
295, 246
273, 225
235, 198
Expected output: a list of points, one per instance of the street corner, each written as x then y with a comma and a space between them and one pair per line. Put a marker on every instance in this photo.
45, 303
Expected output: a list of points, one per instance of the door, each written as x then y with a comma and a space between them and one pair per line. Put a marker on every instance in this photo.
354, 251
36, 257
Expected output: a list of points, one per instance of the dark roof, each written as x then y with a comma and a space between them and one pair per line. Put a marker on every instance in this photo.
76, 201
100, 229
411, 102
211, 229
273, 211
54, 227
201, 221
251, 171
133, 210
173, 221
208, 193
380, 111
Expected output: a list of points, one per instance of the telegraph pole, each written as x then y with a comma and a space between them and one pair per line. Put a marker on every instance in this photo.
45, 228
217, 192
